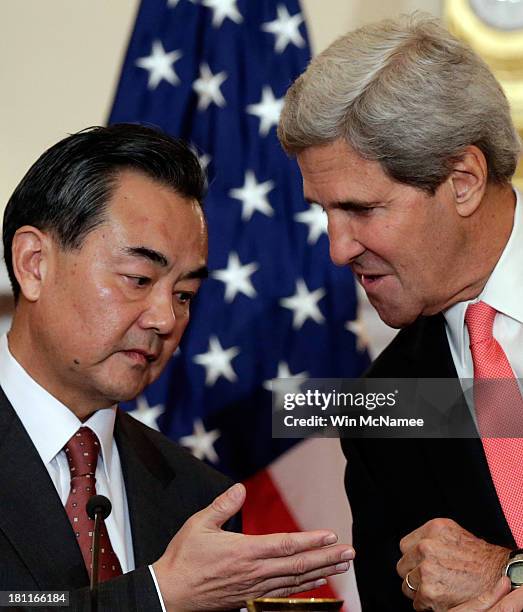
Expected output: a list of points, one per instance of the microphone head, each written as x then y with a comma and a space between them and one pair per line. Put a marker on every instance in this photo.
98, 504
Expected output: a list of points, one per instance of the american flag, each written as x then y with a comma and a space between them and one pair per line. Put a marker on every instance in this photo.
214, 72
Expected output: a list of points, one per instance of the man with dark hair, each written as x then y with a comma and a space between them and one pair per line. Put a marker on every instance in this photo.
405, 138
106, 245
68, 190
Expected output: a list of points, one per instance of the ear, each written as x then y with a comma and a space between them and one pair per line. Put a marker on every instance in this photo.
468, 181
30, 251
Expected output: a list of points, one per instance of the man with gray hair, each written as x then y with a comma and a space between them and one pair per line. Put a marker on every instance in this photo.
404, 137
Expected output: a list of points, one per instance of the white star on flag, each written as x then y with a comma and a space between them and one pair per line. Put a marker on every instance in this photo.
148, 415
285, 28
160, 65
268, 110
236, 278
217, 362
223, 9
201, 442
357, 327
292, 384
253, 196
203, 158
208, 87
304, 304
317, 221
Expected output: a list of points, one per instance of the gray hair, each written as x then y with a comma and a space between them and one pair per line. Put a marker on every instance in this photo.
405, 93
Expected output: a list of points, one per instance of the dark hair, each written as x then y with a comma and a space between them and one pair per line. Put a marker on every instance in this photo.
66, 191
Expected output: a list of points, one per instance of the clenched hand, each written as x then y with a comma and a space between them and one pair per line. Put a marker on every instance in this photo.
447, 565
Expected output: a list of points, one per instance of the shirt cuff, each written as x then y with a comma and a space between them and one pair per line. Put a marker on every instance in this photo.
157, 588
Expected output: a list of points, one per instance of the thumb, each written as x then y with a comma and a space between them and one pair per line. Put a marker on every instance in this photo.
486, 600
224, 506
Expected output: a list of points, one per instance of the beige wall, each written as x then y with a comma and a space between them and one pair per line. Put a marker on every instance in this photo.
327, 19
58, 63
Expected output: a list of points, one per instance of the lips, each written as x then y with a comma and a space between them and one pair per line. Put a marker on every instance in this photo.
371, 281
140, 355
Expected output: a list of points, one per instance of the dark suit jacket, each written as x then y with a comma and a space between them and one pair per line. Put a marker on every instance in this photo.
38, 551
394, 486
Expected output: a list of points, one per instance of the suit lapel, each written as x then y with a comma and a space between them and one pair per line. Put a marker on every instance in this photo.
33, 517
153, 508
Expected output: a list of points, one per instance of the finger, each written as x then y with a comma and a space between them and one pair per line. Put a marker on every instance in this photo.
408, 562
292, 581
487, 600
223, 507
413, 581
434, 529
512, 602
308, 561
288, 544
288, 591
412, 538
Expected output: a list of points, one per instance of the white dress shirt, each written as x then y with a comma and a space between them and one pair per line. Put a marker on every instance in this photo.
50, 425
504, 292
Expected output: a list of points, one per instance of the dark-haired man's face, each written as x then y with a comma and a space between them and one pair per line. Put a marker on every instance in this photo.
111, 313
404, 246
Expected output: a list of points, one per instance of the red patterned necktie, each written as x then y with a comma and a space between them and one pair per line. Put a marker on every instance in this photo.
499, 411
82, 454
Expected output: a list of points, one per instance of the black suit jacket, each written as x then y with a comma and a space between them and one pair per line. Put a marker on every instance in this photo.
165, 485
394, 486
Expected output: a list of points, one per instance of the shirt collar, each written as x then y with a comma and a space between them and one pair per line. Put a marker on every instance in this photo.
503, 290
49, 423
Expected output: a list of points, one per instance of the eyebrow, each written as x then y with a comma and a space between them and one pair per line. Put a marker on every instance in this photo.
146, 253
202, 272
161, 260
344, 203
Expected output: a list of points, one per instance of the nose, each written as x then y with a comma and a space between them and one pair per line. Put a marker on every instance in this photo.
344, 245
158, 314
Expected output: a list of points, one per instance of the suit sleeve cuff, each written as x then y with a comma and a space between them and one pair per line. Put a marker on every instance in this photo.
157, 588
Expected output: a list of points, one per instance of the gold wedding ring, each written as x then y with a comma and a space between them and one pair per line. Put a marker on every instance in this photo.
407, 581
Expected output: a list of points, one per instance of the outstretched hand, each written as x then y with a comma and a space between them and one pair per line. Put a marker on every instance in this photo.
206, 568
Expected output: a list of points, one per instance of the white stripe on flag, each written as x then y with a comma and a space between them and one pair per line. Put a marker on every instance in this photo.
309, 478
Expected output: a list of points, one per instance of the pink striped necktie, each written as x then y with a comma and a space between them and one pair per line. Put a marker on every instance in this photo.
499, 412
82, 454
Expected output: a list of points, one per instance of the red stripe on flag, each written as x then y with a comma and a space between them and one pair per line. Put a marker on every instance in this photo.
264, 511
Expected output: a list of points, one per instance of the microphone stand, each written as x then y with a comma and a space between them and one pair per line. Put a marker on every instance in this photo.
98, 508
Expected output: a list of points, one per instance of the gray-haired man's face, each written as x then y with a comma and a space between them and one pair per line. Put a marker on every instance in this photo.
401, 243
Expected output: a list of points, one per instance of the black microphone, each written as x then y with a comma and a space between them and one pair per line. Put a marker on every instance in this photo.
98, 503
98, 508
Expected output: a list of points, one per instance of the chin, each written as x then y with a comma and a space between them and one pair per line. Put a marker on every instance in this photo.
123, 384
123, 394
395, 318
